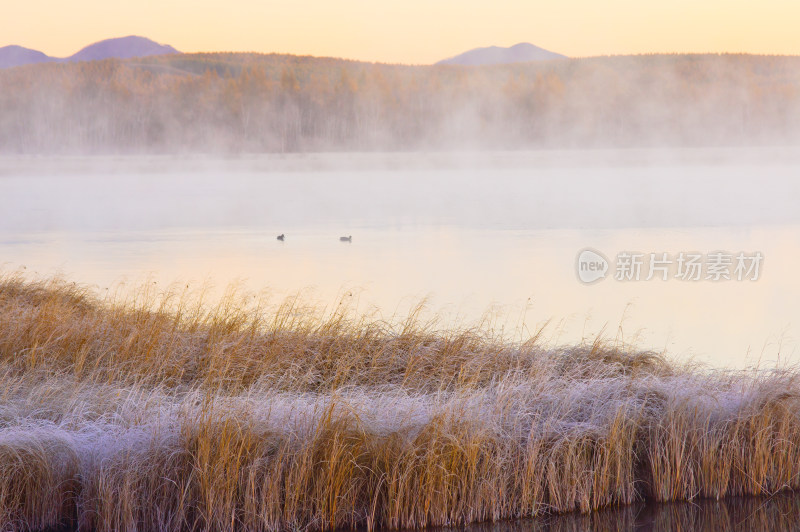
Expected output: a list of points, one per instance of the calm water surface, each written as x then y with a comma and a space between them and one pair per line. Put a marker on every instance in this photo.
476, 233
779, 513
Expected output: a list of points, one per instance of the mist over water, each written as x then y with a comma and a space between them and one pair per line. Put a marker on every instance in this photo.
470, 232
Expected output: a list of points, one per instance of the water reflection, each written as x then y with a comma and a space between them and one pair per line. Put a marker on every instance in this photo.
780, 512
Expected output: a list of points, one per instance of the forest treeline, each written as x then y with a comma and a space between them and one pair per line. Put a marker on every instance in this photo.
226, 102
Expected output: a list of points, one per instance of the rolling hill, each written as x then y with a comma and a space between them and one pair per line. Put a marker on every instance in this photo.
256, 103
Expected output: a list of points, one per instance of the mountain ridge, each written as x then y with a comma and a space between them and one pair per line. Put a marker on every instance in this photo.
117, 47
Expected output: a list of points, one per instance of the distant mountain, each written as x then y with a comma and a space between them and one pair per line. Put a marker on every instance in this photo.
496, 55
11, 56
120, 48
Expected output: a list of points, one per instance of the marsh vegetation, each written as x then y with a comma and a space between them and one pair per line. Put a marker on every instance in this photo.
155, 411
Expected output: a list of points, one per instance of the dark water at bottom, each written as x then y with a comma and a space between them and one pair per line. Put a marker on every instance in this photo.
781, 512
778, 513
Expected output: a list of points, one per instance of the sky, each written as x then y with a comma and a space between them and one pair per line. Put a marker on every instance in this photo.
411, 31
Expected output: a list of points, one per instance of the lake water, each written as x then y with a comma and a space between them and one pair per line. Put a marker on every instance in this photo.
780, 512
472, 233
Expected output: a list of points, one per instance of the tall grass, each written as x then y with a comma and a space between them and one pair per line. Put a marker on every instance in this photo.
156, 412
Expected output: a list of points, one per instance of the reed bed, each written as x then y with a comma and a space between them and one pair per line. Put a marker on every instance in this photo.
157, 412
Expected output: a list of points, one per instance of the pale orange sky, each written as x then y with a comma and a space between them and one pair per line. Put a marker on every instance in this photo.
410, 31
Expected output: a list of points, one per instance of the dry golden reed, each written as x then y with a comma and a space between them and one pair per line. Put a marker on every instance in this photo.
156, 412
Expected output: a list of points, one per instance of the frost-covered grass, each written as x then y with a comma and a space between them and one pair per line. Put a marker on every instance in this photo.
158, 413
